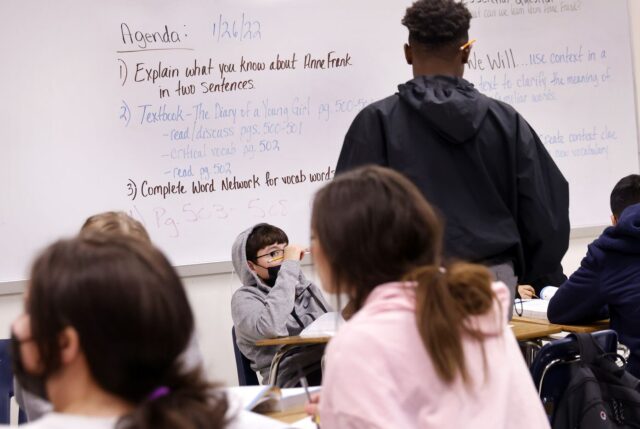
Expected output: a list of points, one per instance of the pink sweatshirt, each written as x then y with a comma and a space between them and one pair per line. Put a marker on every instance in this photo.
379, 375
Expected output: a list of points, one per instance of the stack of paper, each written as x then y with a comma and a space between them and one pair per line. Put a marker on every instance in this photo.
534, 308
324, 326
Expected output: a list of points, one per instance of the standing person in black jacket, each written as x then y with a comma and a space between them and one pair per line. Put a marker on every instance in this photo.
505, 202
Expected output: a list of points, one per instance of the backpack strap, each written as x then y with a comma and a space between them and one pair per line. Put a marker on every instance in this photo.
590, 350
592, 354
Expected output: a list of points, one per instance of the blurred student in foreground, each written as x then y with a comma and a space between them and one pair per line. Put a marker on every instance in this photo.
111, 223
106, 320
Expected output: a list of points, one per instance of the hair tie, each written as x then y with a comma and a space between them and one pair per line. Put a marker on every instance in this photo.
159, 393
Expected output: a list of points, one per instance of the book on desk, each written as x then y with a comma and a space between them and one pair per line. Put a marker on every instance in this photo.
532, 309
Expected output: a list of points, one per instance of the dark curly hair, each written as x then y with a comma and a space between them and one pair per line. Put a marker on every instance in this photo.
437, 23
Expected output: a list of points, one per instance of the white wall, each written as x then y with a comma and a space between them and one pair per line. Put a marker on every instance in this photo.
210, 295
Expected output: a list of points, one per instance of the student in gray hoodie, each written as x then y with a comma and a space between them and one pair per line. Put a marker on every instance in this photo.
275, 300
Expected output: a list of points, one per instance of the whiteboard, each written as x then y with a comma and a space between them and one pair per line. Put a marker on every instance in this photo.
135, 106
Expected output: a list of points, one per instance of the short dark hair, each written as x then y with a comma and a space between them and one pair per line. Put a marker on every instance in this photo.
263, 235
437, 23
625, 193
133, 320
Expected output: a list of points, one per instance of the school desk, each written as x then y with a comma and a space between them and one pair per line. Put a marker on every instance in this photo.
591, 327
287, 416
523, 330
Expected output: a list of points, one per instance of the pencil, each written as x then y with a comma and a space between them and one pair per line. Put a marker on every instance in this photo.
468, 44
305, 384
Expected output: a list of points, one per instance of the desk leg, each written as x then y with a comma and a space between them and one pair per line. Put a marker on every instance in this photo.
275, 363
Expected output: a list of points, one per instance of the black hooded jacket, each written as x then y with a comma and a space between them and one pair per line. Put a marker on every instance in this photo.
479, 162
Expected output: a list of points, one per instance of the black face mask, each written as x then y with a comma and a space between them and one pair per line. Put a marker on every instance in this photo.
34, 384
273, 275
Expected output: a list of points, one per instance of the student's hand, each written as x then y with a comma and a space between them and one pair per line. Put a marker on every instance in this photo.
293, 252
526, 291
311, 407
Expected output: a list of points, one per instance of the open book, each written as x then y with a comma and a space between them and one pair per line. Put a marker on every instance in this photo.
536, 308
268, 399
324, 326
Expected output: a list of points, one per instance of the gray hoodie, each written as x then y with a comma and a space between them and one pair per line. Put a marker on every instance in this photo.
261, 312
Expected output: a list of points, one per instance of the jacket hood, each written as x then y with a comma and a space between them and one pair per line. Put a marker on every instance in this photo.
450, 104
239, 260
625, 235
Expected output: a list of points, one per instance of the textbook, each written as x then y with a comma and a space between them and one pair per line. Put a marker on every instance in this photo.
537, 308
269, 399
324, 326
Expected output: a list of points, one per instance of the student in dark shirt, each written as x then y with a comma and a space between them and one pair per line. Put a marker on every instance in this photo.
607, 284
504, 201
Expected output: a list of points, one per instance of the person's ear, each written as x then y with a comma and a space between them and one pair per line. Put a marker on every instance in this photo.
408, 54
614, 220
466, 53
69, 341
251, 266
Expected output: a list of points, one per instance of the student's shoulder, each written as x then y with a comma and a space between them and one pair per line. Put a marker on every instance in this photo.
380, 108
364, 335
67, 421
498, 106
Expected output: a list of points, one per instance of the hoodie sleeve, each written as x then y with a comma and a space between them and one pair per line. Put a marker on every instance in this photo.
259, 319
364, 143
543, 206
579, 299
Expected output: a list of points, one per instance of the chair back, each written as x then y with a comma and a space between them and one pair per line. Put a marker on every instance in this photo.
550, 369
246, 375
6, 382
6, 385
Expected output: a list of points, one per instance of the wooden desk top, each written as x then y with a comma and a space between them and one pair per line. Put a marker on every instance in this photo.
287, 416
297, 340
524, 330
592, 327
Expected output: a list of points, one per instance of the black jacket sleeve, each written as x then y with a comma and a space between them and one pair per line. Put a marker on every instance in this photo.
364, 143
543, 206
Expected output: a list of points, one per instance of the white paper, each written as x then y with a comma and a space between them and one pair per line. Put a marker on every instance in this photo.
324, 326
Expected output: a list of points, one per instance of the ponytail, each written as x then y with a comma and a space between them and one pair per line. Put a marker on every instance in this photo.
444, 300
186, 401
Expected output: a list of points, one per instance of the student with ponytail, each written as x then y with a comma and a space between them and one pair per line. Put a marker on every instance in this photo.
429, 346
106, 319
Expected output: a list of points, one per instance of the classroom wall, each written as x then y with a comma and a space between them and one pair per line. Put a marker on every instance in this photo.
210, 295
